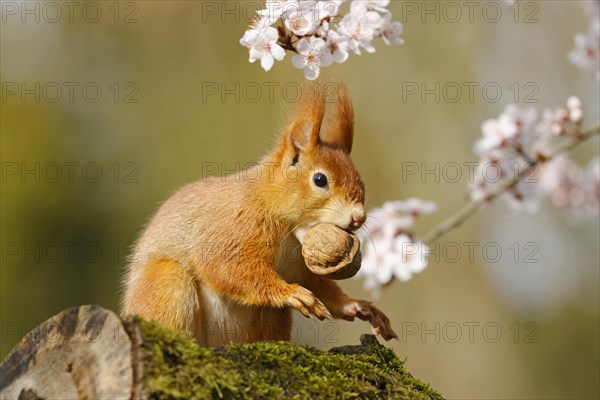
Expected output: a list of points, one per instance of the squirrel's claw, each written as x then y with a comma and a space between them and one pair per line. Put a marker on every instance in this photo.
305, 301
366, 311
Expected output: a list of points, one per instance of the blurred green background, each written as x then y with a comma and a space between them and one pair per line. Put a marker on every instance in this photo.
100, 164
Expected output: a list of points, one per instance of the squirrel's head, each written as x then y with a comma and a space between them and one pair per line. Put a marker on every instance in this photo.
315, 181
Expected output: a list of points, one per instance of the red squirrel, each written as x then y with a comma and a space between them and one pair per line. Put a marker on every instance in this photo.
221, 258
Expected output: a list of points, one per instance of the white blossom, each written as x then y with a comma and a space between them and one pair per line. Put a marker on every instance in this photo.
259, 28
557, 171
592, 182
366, 5
498, 168
592, 9
556, 125
414, 257
338, 45
574, 108
388, 248
570, 187
512, 142
360, 28
278, 9
303, 20
313, 54
511, 129
263, 46
390, 31
327, 9
586, 54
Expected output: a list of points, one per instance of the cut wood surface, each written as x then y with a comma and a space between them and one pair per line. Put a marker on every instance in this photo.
73, 355
88, 352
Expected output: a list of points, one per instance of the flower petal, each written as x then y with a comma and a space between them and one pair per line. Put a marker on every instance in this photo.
311, 72
267, 61
278, 52
303, 47
299, 61
326, 58
340, 55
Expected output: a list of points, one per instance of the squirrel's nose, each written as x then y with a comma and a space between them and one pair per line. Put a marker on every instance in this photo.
358, 217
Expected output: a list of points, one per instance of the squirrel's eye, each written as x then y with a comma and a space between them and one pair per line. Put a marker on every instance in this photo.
320, 179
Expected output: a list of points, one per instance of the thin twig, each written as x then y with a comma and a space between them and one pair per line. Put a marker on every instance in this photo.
472, 207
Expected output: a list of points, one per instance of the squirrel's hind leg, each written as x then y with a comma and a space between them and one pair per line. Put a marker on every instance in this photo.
165, 292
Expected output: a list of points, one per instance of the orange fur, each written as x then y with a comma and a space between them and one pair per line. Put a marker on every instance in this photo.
165, 292
342, 126
220, 259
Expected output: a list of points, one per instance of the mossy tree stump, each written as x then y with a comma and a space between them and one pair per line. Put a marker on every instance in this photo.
88, 352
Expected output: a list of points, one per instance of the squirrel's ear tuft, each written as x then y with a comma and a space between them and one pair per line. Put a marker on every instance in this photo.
340, 130
303, 136
304, 129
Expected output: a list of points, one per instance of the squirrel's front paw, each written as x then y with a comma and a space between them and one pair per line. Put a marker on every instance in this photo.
305, 301
368, 312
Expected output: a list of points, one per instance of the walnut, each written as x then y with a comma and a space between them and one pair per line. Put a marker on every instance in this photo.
331, 251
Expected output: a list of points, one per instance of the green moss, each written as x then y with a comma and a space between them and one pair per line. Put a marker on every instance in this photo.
176, 367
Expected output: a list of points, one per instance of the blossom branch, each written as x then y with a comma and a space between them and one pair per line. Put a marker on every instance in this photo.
472, 207
318, 33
